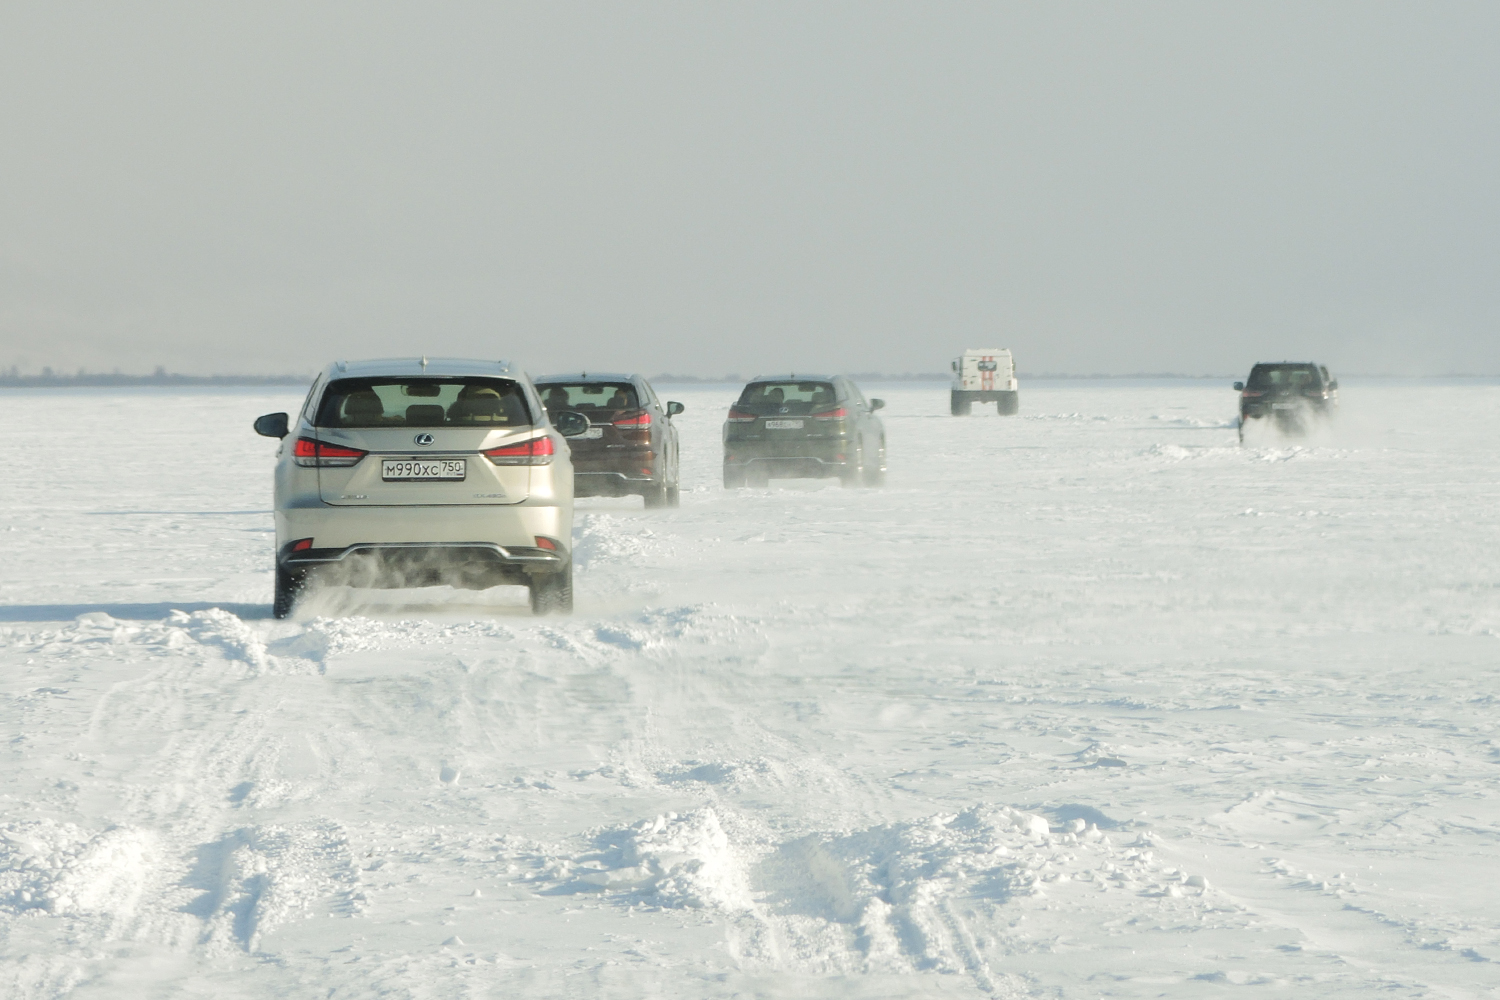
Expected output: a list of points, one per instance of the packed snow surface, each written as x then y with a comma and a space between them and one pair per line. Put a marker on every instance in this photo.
1088, 702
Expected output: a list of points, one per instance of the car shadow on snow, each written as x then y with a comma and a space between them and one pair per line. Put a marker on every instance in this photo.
124, 612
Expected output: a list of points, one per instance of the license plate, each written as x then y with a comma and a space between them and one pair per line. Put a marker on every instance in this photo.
1283, 406
417, 469
592, 434
783, 425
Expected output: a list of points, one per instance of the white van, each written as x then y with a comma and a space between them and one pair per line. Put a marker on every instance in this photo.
985, 375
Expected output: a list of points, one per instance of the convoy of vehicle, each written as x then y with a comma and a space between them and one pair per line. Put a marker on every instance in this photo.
630, 446
416, 472
1290, 393
984, 375
803, 427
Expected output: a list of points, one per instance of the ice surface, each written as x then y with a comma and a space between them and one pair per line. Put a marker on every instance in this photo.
1087, 702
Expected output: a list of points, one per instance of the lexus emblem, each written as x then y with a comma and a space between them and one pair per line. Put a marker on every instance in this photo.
786, 409
423, 439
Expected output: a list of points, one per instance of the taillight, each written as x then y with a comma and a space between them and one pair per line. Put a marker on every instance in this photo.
537, 451
639, 420
1250, 394
741, 417
838, 414
309, 452
545, 543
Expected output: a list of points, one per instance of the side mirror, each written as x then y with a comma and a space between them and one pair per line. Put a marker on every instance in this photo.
1238, 386
674, 408
1334, 385
272, 425
953, 365
877, 404
570, 423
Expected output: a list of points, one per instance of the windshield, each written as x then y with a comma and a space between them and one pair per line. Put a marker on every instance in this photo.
1290, 377
786, 397
588, 397
423, 402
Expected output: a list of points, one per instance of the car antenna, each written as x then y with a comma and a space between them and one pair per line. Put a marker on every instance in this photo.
424, 362
504, 365
343, 366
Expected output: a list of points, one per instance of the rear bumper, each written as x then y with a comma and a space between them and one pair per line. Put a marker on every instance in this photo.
468, 565
616, 472
777, 464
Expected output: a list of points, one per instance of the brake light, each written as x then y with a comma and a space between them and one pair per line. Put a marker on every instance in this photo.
302, 545
838, 414
1251, 393
640, 420
741, 417
546, 543
537, 451
309, 452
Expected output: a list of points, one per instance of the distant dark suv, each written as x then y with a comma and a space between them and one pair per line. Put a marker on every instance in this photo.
1289, 393
630, 447
803, 427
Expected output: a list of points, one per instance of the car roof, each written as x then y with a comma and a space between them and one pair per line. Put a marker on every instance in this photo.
797, 377
589, 377
409, 367
1287, 364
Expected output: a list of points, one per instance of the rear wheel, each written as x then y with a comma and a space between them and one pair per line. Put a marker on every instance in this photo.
289, 587
655, 496
734, 477
853, 474
1008, 404
875, 474
552, 594
960, 403
674, 496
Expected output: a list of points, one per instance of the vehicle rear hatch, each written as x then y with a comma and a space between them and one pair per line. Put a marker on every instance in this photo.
788, 415
424, 442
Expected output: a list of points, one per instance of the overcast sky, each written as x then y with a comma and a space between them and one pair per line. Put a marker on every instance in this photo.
715, 187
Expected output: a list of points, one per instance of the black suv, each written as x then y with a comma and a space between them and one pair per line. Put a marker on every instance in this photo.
803, 427
630, 446
1289, 392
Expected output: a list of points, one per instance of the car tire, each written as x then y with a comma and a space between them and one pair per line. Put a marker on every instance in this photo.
875, 475
853, 475
674, 496
960, 404
734, 478
552, 593
289, 588
655, 496
1009, 404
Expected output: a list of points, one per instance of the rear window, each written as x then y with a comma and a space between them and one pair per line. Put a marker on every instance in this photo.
786, 397
423, 402
1283, 377
589, 396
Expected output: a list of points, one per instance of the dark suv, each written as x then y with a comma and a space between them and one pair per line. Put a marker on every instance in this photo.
803, 427
1289, 392
630, 447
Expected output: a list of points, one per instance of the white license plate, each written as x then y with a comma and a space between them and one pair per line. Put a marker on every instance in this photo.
783, 425
418, 469
592, 434
1283, 406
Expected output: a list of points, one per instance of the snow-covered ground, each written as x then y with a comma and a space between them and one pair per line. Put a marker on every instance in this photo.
1088, 702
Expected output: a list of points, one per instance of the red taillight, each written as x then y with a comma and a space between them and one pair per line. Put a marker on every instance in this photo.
309, 452
537, 451
1250, 394
639, 420
546, 543
302, 545
838, 414
740, 417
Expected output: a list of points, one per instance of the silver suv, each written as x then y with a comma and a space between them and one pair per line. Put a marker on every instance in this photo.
418, 472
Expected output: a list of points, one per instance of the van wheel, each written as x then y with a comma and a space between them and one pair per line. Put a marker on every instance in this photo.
1008, 404
552, 594
734, 478
960, 403
289, 588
